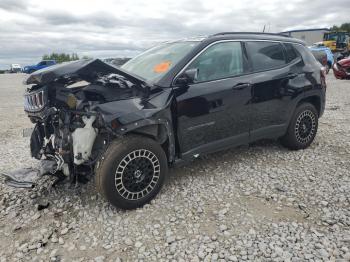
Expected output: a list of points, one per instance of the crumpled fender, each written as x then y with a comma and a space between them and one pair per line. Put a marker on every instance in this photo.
125, 116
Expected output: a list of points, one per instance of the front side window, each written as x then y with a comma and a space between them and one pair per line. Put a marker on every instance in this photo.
265, 55
156, 62
222, 60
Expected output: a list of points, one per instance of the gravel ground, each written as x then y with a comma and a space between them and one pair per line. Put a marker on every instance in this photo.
256, 203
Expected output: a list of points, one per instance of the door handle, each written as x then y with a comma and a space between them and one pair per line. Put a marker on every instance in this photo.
241, 86
292, 75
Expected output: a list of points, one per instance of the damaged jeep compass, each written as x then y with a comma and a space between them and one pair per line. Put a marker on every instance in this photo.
170, 104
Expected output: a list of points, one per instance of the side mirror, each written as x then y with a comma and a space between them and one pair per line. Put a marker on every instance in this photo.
187, 77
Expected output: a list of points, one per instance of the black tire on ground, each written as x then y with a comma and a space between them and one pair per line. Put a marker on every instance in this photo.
131, 171
302, 127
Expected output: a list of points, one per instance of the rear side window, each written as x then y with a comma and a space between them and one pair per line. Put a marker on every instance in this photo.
291, 52
265, 55
306, 55
221, 60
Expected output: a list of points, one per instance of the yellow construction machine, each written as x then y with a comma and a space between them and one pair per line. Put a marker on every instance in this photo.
337, 41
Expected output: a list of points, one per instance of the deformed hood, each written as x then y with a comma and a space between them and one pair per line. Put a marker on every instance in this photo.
85, 69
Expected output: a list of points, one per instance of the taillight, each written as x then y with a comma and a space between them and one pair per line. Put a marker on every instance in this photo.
323, 78
324, 61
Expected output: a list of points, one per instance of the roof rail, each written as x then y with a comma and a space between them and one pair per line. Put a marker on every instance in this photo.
251, 33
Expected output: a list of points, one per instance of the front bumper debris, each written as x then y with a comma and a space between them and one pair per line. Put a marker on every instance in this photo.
21, 178
27, 177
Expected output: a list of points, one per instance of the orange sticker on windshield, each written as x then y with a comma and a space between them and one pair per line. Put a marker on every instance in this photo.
162, 67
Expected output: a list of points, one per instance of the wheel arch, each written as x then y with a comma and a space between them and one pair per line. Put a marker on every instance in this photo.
314, 100
161, 131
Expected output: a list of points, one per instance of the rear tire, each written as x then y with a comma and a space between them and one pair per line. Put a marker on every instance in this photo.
131, 172
302, 127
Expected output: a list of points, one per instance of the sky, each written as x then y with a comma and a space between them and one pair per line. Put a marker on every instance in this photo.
124, 28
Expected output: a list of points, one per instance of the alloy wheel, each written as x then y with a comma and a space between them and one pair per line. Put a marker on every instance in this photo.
305, 126
137, 174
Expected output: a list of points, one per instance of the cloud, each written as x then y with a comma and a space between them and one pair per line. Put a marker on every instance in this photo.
61, 18
31, 28
13, 5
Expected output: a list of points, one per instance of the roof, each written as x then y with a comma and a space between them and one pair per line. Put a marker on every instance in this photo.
248, 33
254, 36
306, 30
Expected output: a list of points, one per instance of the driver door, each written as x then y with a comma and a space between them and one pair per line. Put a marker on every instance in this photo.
214, 111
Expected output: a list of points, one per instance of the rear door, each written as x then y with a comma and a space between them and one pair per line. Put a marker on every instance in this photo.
214, 111
270, 88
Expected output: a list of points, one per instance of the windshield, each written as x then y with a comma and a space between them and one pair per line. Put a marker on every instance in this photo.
157, 61
333, 36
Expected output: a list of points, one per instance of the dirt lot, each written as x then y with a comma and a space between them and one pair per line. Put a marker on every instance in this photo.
256, 203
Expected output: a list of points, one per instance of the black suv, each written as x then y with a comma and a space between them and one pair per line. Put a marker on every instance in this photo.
172, 103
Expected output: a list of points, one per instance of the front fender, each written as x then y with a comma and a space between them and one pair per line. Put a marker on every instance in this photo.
136, 114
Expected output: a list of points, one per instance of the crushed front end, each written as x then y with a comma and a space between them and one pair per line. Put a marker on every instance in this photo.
63, 133
67, 103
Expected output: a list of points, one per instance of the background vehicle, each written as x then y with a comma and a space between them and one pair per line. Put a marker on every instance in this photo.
341, 69
15, 68
32, 68
337, 41
329, 56
340, 56
171, 104
321, 57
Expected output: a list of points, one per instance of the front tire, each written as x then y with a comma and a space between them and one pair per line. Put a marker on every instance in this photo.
302, 127
131, 172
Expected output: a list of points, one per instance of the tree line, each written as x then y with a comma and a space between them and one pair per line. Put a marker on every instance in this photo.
342, 27
62, 57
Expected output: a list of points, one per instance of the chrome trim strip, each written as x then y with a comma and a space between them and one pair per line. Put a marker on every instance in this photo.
228, 40
201, 125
